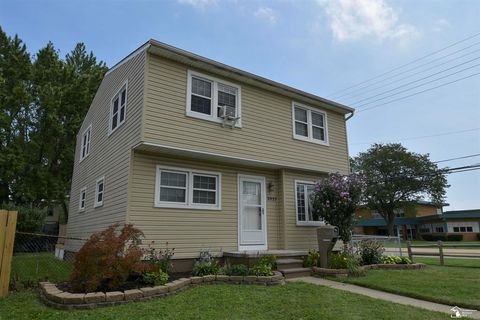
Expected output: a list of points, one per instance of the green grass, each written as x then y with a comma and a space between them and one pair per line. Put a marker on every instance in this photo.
449, 262
431, 243
450, 285
39, 267
291, 301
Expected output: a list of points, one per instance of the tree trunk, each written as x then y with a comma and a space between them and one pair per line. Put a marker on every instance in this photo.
391, 228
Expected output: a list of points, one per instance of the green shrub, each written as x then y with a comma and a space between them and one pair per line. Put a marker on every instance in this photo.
455, 237
396, 260
341, 260
434, 237
312, 259
264, 266
237, 270
160, 258
205, 265
154, 278
370, 251
29, 218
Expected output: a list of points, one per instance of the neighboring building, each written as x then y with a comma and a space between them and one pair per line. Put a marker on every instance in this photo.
423, 218
203, 155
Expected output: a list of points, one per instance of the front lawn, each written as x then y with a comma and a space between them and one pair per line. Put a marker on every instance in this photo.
452, 285
290, 301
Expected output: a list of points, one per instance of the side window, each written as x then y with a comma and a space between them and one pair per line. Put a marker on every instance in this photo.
118, 109
86, 140
305, 212
99, 191
309, 124
83, 199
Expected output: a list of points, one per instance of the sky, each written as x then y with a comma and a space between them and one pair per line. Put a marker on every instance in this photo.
320, 46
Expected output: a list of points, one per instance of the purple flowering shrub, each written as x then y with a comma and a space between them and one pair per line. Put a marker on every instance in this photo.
335, 200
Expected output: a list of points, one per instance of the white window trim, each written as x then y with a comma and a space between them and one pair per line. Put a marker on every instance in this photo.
213, 117
304, 223
309, 124
82, 157
80, 208
97, 203
118, 93
188, 204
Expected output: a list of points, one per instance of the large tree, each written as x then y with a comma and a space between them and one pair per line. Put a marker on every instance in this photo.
396, 177
43, 103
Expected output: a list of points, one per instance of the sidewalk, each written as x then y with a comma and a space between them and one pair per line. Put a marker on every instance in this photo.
376, 294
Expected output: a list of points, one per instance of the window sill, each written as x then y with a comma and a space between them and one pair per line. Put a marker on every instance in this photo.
310, 224
185, 206
301, 138
206, 117
81, 159
110, 132
98, 205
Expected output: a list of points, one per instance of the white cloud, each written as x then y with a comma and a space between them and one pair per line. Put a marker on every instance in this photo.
441, 25
200, 4
355, 19
267, 14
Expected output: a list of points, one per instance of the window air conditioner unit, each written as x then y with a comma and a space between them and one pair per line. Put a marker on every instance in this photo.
228, 114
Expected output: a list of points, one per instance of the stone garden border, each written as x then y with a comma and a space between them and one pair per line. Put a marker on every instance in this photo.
325, 272
54, 297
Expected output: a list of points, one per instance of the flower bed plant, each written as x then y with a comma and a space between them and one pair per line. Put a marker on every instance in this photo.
395, 260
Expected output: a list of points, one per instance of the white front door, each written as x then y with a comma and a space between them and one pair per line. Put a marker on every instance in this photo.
252, 213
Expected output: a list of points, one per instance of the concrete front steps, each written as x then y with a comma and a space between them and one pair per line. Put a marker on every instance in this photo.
292, 267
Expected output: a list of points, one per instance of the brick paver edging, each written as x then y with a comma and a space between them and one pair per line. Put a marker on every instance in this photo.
323, 272
56, 298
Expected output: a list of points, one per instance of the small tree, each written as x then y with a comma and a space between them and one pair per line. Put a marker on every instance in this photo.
396, 177
335, 200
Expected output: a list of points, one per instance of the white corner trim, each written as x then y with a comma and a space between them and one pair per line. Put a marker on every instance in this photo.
309, 124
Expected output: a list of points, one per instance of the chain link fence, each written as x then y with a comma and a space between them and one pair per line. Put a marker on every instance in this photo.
392, 245
39, 257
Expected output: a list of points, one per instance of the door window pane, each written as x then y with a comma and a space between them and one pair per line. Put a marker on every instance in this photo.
252, 218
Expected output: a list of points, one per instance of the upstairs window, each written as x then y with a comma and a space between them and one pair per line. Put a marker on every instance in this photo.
306, 215
212, 99
118, 109
85, 146
83, 199
309, 124
99, 190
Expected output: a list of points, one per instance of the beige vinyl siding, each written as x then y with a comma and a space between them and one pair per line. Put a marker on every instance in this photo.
191, 230
297, 237
266, 133
109, 155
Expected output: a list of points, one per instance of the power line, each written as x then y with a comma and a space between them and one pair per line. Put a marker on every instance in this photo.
409, 63
409, 76
426, 77
425, 136
420, 85
419, 92
361, 91
458, 158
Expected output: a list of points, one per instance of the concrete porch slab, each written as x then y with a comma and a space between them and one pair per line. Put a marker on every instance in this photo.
255, 254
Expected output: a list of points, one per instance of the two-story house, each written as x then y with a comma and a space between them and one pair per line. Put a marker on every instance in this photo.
203, 156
